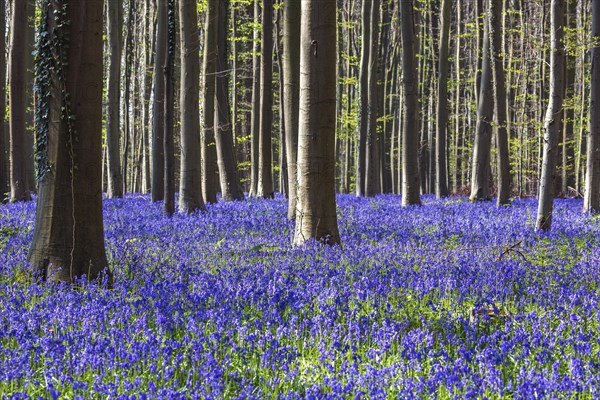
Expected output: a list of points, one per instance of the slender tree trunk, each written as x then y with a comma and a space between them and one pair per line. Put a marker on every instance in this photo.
127, 128
441, 187
190, 188
480, 178
29, 99
208, 150
68, 240
255, 116
19, 187
364, 99
291, 94
113, 123
265, 162
169, 203
316, 216
410, 85
372, 163
158, 126
230, 182
553, 117
150, 47
4, 166
591, 201
500, 102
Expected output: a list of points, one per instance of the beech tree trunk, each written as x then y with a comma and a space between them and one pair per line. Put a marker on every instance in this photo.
68, 240
501, 110
410, 124
372, 163
19, 186
208, 151
441, 150
113, 107
291, 94
265, 155
591, 202
364, 99
480, 174
255, 114
231, 188
190, 188
554, 114
169, 150
158, 125
316, 209
4, 166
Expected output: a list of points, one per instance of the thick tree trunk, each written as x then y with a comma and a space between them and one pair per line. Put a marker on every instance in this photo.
4, 176
553, 117
113, 107
480, 174
410, 86
208, 151
500, 102
591, 201
190, 188
255, 115
441, 187
364, 99
158, 126
228, 174
68, 240
169, 203
291, 94
316, 214
265, 155
19, 186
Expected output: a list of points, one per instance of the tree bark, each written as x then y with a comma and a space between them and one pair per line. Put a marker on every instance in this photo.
228, 174
19, 186
553, 117
291, 94
480, 174
208, 151
441, 187
169, 150
316, 215
68, 240
113, 107
265, 155
500, 102
255, 114
372, 163
591, 202
4, 166
190, 188
364, 99
158, 125
410, 86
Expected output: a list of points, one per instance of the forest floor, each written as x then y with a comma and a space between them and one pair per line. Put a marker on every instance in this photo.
449, 299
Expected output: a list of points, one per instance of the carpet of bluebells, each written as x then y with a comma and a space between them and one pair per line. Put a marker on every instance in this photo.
446, 300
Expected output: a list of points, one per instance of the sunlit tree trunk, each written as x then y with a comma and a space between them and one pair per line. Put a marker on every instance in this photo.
4, 176
553, 117
113, 107
68, 239
316, 210
190, 188
255, 115
364, 99
158, 126
291, 94
372, 163
591, 201
480, 174
19, 186
410, 85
